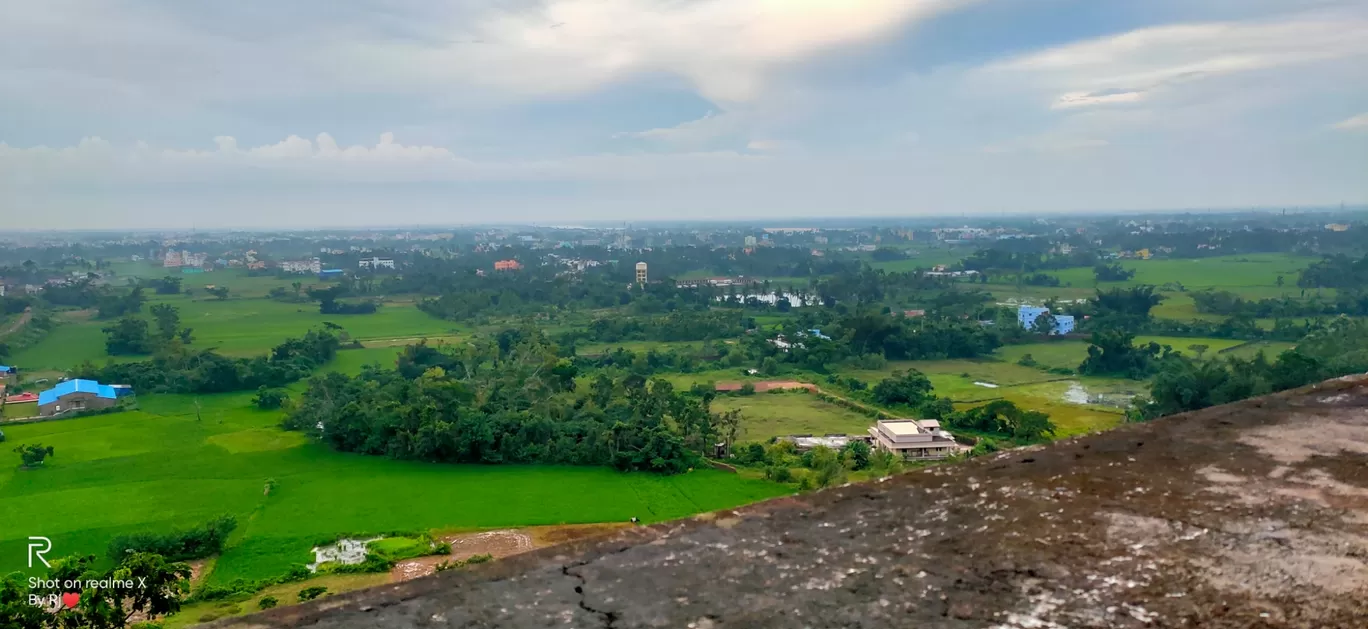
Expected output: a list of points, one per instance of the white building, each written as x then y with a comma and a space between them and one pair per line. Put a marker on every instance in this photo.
376, 263
914, 439
314, 266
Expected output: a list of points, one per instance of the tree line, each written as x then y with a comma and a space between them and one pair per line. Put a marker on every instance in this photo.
177, 369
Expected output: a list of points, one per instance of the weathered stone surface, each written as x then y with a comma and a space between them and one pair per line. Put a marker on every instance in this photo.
1247, 515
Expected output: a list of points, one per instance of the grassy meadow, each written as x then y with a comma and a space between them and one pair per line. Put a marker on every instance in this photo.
159, 468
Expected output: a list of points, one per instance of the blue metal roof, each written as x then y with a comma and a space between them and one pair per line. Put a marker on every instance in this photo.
4, 369
76, 386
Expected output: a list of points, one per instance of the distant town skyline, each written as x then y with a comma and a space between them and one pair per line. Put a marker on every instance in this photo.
312, 114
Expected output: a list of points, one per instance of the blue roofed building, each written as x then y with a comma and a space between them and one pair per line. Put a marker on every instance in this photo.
8, 374
1027, 315
77, 395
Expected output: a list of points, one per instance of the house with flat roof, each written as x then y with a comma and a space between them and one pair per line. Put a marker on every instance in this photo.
914, 439
79, 395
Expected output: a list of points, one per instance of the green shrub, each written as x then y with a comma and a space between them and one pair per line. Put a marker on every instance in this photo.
196, 543
779, 473
311, 593
267, 602
442, 548
474, 559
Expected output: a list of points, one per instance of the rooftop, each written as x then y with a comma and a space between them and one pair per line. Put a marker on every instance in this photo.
902, 427
1253, 514
76, 386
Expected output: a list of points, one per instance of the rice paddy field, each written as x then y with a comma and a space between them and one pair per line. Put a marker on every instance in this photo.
160, 468
791, 413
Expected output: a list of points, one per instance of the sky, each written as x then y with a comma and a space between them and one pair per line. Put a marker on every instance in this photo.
333, 113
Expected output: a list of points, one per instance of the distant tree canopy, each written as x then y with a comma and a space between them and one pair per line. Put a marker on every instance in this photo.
114, 305
694, 325
1113, 272
168, 285
1124, 307
1339, 271
1349, 301
328, 302
179, 370
1188, 385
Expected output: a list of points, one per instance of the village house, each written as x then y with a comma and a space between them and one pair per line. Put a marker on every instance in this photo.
914, 439
79, 395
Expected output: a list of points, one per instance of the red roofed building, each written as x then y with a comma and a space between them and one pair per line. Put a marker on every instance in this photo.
507, 265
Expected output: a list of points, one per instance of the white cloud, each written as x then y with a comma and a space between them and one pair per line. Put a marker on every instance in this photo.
1355, 123
1148, 63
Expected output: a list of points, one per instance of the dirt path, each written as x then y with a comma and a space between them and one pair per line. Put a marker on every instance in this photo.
23, 321
499, 544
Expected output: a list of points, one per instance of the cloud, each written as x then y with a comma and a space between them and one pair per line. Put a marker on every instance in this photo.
729, 51
1103, 97
1354, 123
295, 160
1147, 63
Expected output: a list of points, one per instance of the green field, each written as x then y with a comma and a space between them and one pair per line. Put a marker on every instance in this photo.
766, 415
159, 468
238, 327
1027, 387
1070, 353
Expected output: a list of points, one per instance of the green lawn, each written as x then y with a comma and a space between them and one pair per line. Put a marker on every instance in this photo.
766, 415
160, 468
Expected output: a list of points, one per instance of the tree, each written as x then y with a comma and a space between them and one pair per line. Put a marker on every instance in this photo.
311, 593
1031, 426
1113, 272
160, 588
168, 321
857, 454
128, 335
219, 292
33, 455
270, 399
910, 388
1198, 349
168, 285
1111, 353
1045, 323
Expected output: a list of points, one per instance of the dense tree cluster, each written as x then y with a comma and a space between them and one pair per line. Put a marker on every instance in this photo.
1002, 418
482, 403
1112, 352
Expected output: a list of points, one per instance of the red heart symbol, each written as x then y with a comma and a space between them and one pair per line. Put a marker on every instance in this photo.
70, 599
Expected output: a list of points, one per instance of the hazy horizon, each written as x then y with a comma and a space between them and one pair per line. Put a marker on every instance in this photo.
252, 115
